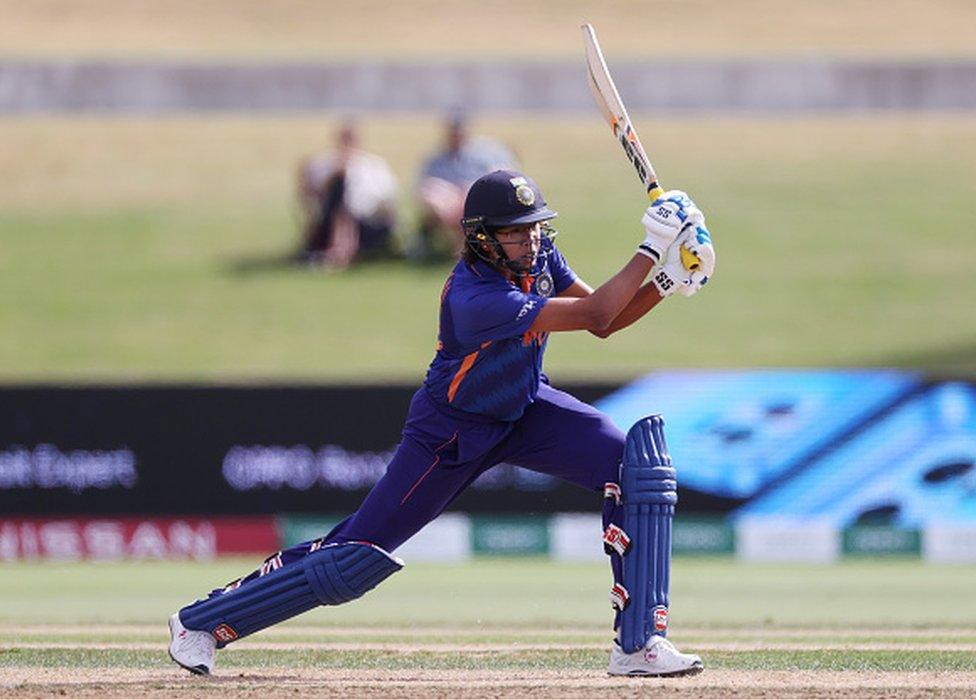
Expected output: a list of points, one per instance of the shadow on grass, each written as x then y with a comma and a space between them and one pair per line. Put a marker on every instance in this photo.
273, 263
257, 264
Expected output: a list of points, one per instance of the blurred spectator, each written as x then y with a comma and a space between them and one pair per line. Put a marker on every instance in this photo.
444, 182
348, 201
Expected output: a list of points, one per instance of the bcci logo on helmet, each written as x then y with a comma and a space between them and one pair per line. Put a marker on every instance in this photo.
523, 191
525, 195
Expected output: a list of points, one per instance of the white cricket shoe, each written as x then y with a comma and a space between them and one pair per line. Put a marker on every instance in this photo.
658, 658
191, 649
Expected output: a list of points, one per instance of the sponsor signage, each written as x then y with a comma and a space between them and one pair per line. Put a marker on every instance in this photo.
198, 450
702, 536
46, 466
446, 539
134, 538
771, 454
295, 529
455, 537
508, 535
874, 540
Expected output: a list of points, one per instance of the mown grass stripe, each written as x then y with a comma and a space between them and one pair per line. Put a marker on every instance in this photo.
365, 645
550, 659
14, 635
682, 640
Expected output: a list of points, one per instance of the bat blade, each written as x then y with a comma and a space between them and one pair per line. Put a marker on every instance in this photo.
612, 107
613, 110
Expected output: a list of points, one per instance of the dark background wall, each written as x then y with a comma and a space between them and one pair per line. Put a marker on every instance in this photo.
191, 450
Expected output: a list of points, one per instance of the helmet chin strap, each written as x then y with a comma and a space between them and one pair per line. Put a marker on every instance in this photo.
479, 236
514, 266
545, 246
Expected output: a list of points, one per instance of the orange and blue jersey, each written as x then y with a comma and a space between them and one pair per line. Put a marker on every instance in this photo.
488, 363
485, 401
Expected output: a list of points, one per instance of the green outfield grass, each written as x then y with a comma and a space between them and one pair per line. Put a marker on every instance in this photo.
502, 628
490, 595
151, 249
560, 660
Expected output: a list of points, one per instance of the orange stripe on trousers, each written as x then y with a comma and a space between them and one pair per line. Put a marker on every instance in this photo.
437, 459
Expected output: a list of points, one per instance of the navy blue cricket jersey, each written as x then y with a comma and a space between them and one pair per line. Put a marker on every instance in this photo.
487, 361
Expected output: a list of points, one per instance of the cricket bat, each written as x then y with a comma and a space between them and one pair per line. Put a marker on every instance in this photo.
608, 100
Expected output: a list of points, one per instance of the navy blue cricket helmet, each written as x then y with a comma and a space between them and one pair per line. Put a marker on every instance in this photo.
499, 199
504, 198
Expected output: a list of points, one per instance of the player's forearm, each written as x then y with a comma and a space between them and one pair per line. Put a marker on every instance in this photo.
610, 299
646, 298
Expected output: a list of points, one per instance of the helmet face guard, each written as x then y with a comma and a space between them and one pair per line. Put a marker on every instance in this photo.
482, 241
498, 200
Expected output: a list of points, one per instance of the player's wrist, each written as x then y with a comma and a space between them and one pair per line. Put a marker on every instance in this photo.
648, 252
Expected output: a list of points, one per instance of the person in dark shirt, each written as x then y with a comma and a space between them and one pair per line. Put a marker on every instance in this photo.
348, 204
444, 181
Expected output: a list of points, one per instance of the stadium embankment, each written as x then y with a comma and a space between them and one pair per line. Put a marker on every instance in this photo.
810, 84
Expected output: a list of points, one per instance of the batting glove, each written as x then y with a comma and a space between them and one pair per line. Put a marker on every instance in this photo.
670, 274
664, 220
698, 240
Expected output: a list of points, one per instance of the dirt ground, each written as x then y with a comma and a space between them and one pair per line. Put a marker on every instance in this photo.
253, 683
86, 681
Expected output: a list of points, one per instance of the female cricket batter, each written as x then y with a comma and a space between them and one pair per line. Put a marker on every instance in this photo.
485, 400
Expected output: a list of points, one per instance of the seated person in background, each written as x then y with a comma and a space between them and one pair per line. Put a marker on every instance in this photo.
444, 182
348, 202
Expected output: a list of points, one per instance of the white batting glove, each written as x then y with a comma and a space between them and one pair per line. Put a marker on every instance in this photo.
664, 220
698, 240
670, 274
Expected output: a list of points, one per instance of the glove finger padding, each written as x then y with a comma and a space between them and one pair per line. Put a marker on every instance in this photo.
664, 220
686, 210
694, 284
661, 227
698, 240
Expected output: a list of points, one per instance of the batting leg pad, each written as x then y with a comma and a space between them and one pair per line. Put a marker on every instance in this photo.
332, 575
649, 492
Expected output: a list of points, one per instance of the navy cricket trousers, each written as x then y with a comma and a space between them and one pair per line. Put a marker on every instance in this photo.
440, 455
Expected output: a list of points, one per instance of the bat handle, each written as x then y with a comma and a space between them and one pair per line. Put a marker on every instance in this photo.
688, 259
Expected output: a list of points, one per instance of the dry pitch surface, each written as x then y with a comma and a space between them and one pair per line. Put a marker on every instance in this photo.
130, 661
339, 683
